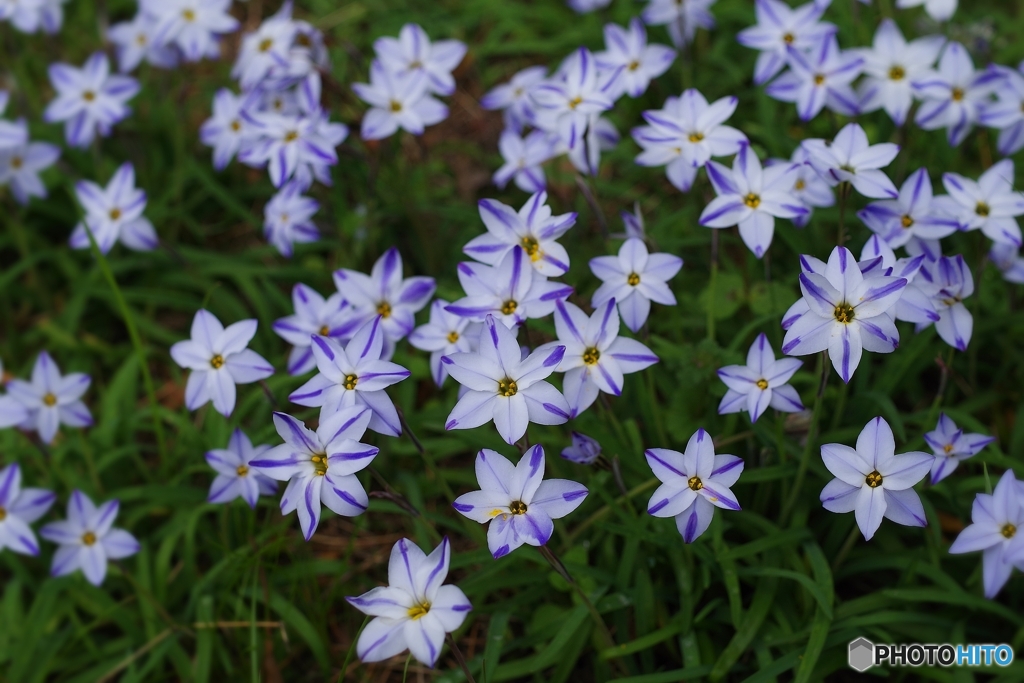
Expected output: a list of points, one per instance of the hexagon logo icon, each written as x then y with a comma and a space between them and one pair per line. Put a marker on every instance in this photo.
862, 654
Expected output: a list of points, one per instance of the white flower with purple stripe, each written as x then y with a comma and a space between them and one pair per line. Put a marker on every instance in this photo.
88, 539
952, 446
114, 214
913, 214
287, 219
320, 466
89, 99
1008, 260
313, 315
761, 383
265, 49
533, 228
513, 98
915, 303
523, 157
989, 204
872, 481
948, 282
397, 100
236, 477
354, 374
891, 65
634, 278
135, 43
751, 197
286, 143
1007, 113
819, 78
682, 18
505, 387
939, 10
50, 399
596, 358
193, 26
847, 313
693, 484
12, 413
414, 611
21, 164
444, 334
385, 293
511, 291
20, 507
219, 359
519, 504
412, 52
809, 189
227, 131
573, 94
583, 450
627, 49
850, 159
996, 529
780, 26
953, 96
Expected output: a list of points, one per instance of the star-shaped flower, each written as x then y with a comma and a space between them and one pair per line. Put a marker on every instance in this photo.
114, 214
627, 49
948, 282
412, 52
265, 49
808, 188
850, 159
18, 509
891, 65
997, 520
939, 10
87, 539
227, 131
51, 399
1008, 260
235, 476
583, 450
519, 504
682, 18
513, 98
873, 481
446, 333
954, 94
21, 164
761, 383
574, 93
523, 157
912, 214
634, 279
951, 446
397, 100
136, 42
287, 219
89, 99
533, 228
779, 26
989, 204
313, 315
1007, 113
193, 26
915, 304
819, 78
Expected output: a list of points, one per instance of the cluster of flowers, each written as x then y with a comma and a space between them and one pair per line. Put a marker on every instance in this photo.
31, 16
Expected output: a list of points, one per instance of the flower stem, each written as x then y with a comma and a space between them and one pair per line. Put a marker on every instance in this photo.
845, 550
588, 195
459, 658
812, 436
711, 285
944, 367
844, 194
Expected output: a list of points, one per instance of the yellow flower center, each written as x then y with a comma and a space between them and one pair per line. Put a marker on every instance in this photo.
89, 538
325, 331
957, 94
189, 15
242, 470
453, 337
236, 125
752, 200
531, 247
141, 39
88, 96
509, 307
906, 221
634, 65
844, 313
266, 44
50, 400
1008, 530
874, 480
396, 106
320, 464
897, 73
517, 507
762, 384
591, 356
384, 309
416, 65
217, 362
291, 136
417, 611
575, 102
633, 280
788, 38
819, 79
3, 514
507, 387
982, 209
696, 137
800, 184
948, 449
695, 483
115, 214
350, 382
16, 162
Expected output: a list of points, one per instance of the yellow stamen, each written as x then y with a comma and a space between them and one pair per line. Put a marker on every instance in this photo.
325, 331
88, 96
897, 73
350, 382
453, 337
507, 387
217, 362
591, 356
844, 313
189, 15
752, 200
50, 400
633, 280
242, 470
982, 209
509, 307
384, 309
906, 221
89, 538
695, 483
320, 464
788, 38
819, 79
532, 247
517, 507
762, 384
236, 125
957, 94
800, 184
634, 65
417, 611
575, 102
874, 480
1008, 530
266, 44
16, 162
3, 514
115, 214
291, 136
696, 137
396, 106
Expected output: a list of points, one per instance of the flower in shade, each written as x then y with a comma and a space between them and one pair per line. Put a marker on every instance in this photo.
596, 358
850, 159
354, 374
583, 450
385, 293
227, 131
50, 399
88, 539
627, 49
682, 18
235, 476
412, 52
939, 10
1008, 260
761, 383
397, 100
519, 504
193, 26
948, 282
523, 157
113, 214
891, 65
313, 315
914, 213
513, 98
819, 78
414, 611
287, 219
635, 278
989, 204
219, 359
996, 529
21, 164
693, 484
953, 96
12, 412
1007, 113
505, 387
951, 446
574, 93
684, 134
444, 334
872, 481
136, 42
320, 466
846, 314
751, 197
89, 99
779, 26
20, 507
533, 228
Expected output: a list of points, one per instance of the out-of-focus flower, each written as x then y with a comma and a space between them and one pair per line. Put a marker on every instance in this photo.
1007, 112
1008, 260
997, 520
583, 450
951, 447
635, 278
113, 214
989, 204
193, 26
533, 228
50, 399
939, 10
87, 539
627, 49
778, 27
136, 41
227, 131
523, 157
265, 49
412, 52
849, 158
22, 162
761, 383
513, 98
948, 282
397, 100
682, 18
443, 335
953, 95
891, 65
29, 16
89, 99
574, 93
235, 476
915, 303
313, 315
912, 214
20, 507
287, 219
584, 6
808, 188
819, 78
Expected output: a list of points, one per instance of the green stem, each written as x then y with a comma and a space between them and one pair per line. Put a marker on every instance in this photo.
812, 436
943, 379
844, 193
459, 658
711, 285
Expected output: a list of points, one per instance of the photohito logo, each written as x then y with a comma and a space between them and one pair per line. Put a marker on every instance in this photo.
863, 654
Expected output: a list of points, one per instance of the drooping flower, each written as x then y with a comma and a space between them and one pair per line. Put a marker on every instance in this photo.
685, 134
751, 198
18, 509
574, 93
505, 387
193, 26
997, 520
954, 94
136, 41
287, 219
446, 333
912, 214
850, 159
313, 315
891, 65
596, 358
354, 374
627, 49
513, 98
583, 450
519, 504
219, 359
780, 26
235, 476
948, 282
846, 314
951, 447
634, 278
523, 158
89, 99
413, 612
320, 466
21, 164
989, 204
114, 214
1007, 113
693, 484
50, 399
939, 10
819, 78
397, 100
412, 52
872, 481
87, 539
682, 18
533, 227
761, 383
